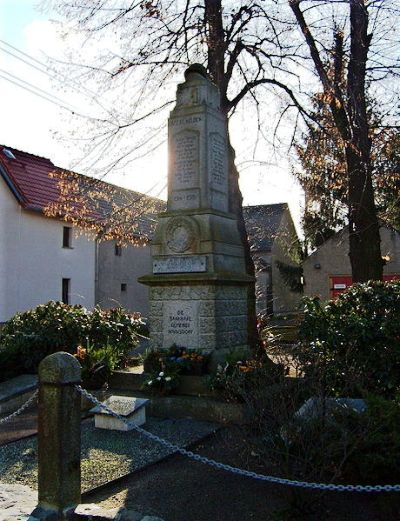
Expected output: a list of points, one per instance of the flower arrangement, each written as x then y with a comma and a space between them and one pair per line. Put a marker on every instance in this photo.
162, 382
97, 364
189, 362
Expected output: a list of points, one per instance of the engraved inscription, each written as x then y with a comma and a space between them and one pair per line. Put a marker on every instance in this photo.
185, 199
192, 264
218, 162
181, 324
186, 160
186, 121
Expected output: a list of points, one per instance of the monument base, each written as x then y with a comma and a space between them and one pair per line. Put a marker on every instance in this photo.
208, 314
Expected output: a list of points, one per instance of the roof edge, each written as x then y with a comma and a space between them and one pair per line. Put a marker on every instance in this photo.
12, 186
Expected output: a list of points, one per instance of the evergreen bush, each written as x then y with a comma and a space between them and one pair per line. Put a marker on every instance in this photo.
30, 336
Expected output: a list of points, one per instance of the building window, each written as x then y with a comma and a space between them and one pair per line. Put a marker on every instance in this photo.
118, 250
65, 290
123, 286
67, 237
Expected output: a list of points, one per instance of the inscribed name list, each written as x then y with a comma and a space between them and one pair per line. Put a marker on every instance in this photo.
186, 160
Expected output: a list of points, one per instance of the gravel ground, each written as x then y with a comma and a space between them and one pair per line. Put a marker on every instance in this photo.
106, 455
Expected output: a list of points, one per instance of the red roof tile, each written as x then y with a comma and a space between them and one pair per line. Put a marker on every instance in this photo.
29, 177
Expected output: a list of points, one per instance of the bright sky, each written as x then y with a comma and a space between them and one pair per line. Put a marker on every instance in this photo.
36, 125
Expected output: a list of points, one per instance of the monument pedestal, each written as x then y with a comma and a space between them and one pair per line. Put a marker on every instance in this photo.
198, 288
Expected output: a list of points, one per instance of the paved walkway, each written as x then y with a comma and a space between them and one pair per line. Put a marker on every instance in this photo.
16, 502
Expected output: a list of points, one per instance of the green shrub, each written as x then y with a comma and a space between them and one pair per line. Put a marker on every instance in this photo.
353, 342
98, 363
346, 446
30, 336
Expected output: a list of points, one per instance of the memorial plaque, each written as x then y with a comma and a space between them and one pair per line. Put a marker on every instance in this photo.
185, 199
218, 163
181, 323
185, 169
192, 264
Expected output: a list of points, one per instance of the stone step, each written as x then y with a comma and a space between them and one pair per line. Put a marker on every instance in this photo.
133, 381
16, 391
204, 408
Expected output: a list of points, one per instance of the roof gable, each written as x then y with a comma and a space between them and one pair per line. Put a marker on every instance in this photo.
35, 182
262, 224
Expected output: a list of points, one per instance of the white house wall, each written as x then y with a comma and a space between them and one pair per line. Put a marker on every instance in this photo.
114, 270
33, 261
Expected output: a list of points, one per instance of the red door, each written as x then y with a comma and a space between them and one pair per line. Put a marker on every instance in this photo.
340, 283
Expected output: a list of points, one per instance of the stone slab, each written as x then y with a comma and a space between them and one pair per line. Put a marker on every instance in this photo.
315, 407
105, 455
184, 264
122, 405
103, 421
17, 502
93, 512
181, 323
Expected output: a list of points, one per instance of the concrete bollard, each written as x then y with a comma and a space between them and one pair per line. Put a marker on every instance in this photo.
59, 437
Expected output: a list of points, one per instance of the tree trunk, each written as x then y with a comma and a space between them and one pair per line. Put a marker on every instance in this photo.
216, 57
364, 239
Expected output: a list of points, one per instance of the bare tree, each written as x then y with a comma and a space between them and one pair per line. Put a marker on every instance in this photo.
347, 102
243, 45
252, 50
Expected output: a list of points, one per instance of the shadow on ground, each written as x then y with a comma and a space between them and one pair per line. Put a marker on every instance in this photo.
181, 490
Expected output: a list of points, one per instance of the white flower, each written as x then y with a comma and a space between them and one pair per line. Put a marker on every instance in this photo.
150, 382
158, 378
168, 378
161, 374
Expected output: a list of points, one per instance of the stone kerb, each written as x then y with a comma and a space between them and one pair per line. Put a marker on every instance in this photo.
59, 437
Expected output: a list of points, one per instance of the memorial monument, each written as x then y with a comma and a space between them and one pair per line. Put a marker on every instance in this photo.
199, 283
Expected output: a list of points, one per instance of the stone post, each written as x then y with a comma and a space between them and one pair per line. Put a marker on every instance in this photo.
59, 437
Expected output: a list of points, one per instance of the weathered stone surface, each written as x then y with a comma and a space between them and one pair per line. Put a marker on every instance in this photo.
59, 432
215, 322
315, 407
188, 264
16, 502
61, 368
92, 512
198, 288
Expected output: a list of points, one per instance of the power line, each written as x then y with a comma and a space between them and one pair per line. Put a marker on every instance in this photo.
35, 92
49, 94
82, 89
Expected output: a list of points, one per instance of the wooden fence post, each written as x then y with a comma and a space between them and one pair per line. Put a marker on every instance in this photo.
59, 437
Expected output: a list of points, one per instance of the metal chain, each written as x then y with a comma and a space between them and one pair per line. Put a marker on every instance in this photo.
235, 470
21, 409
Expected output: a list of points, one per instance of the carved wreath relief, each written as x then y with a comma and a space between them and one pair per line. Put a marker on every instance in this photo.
180, 234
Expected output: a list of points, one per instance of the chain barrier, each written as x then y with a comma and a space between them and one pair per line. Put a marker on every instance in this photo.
21, 409
236, 470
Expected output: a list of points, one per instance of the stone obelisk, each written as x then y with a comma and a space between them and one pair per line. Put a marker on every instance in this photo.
199, 282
